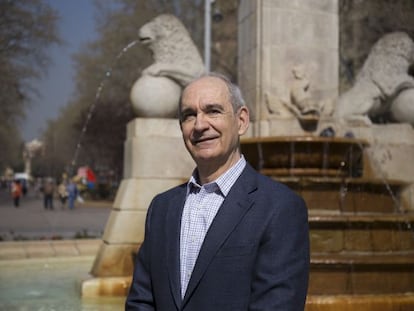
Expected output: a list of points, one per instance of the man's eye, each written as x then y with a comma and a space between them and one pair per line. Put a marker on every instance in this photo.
187, 117
214, 111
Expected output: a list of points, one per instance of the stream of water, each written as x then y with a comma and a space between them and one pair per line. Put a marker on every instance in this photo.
93, 105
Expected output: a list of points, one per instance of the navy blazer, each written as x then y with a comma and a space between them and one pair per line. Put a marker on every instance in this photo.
255, 255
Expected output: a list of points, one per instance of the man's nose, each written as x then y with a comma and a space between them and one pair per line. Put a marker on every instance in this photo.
201, 121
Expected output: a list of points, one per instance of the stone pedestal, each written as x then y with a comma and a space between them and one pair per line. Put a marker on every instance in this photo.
276, 36
155, 160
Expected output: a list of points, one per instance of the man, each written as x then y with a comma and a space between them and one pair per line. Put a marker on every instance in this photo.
229, 239
48, 190
16, 191
72, 191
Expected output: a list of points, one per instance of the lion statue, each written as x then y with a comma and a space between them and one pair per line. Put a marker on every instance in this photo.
384, 85
174, 52
176, 62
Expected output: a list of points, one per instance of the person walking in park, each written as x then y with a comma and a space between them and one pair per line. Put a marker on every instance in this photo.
16, 192
72, 191
48, 191
63, 194
229, 238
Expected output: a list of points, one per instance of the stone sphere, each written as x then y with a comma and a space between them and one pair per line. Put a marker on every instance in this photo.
402, 107
155, 97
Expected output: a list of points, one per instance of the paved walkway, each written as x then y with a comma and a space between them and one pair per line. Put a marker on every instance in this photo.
31, 221
30, 231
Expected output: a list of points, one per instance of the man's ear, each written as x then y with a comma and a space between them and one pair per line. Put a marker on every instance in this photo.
243, 116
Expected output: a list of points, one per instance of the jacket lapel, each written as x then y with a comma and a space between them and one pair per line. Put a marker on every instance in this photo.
175, 209
234, 207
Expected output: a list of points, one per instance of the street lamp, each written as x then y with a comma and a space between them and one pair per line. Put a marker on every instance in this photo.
207, 31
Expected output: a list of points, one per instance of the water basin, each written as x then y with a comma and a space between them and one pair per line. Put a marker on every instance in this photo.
50, 284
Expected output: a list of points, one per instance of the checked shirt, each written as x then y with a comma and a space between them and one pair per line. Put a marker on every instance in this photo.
201, 206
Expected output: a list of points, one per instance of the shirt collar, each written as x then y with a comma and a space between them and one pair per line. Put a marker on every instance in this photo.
223, 182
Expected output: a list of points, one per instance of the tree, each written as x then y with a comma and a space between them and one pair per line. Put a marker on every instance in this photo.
91, 130
26, 29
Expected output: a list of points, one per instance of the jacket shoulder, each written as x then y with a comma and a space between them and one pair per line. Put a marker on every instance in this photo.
269, 187
172, 192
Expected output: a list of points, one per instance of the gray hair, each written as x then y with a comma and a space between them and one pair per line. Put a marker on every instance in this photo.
236, 98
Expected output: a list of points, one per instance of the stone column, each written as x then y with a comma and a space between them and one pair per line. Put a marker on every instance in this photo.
276, 36
155, 160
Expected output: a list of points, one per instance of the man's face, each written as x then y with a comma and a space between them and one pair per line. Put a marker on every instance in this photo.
210, 126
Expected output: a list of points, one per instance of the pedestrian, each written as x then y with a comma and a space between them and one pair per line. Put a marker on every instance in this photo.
16, 192
63, 194
72, 191
229, 238
48, 191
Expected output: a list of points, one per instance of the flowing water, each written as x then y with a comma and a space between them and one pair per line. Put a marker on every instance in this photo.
92, 107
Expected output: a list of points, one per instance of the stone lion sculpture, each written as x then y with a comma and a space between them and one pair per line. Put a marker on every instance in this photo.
383, 88
177, 61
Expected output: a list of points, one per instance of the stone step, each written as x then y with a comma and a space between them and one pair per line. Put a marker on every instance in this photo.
357, 259
380, 302
361, 273
348, 194
306, 155
333, 232
323, 216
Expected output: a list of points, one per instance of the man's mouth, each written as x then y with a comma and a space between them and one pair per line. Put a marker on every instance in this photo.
202, 140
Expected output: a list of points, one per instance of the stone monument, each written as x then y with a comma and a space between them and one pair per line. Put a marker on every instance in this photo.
363, 243
288, 61
155, 158
384, 87
277, 39
30, 150
176, 62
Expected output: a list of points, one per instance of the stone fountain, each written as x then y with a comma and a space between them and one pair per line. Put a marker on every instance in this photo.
362, 241
353, 174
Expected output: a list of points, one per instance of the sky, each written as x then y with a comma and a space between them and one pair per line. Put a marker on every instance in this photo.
76, 27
